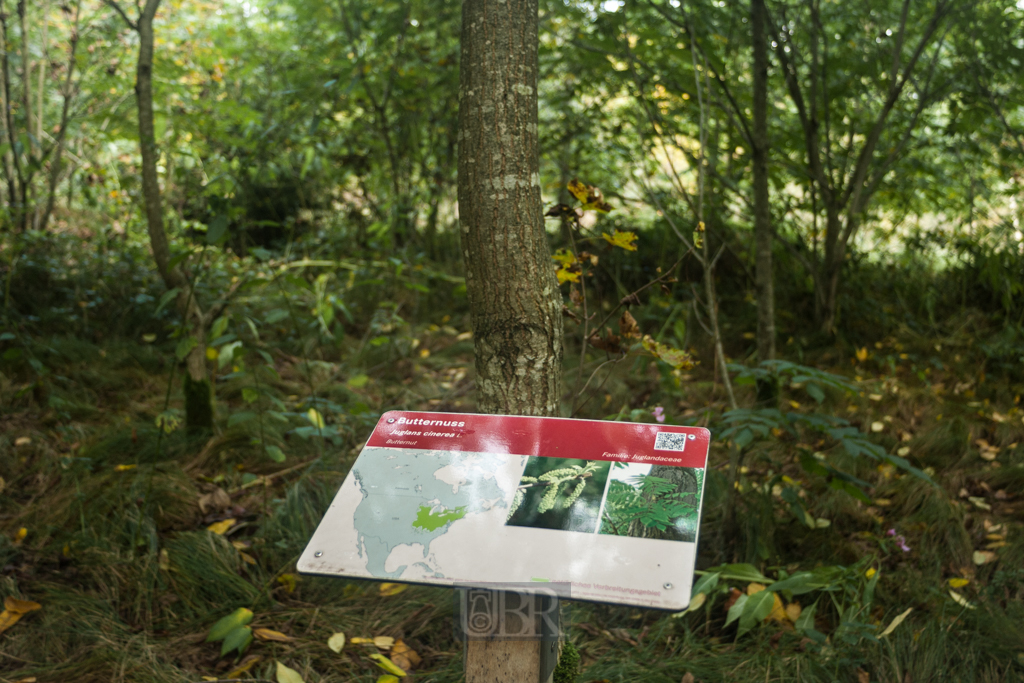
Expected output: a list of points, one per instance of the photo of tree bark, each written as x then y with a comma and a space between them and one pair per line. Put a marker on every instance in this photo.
234, 233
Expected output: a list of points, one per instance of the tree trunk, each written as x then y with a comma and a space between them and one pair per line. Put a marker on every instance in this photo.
514, 300
198, 392
515, 305
762, 215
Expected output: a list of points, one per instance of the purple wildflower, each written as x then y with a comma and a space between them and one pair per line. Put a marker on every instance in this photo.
659, 414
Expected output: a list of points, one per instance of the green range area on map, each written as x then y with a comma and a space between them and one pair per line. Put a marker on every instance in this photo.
430, 521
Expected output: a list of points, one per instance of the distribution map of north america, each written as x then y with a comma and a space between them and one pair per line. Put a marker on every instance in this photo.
411, 498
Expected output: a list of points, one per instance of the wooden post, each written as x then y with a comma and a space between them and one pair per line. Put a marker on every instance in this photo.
510, 637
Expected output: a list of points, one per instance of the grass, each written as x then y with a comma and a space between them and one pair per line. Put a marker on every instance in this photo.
130, 579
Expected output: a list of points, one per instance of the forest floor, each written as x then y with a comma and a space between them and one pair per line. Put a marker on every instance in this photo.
134, 540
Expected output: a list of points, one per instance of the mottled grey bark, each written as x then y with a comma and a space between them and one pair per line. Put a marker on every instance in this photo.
514, 299
515, 305
762, 216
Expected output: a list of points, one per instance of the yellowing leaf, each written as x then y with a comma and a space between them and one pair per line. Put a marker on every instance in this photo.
793, 611
564, 275
387, 678
225, 625
8, 619
336, 642
386, 664
623, 240
289, 581
870, 572
20, 536
794, 404
270, 634
124, 468
862, 354
896, 622
778, 612
165, 559
565, 257
387, 589
149, 338
20, 606
211, 353
677, 358
961, 600
400, 648
958, 582
314, 416
247, 558
287, 675
384, 642
247, 663
589, 196
578, 190
696, 602
220, 527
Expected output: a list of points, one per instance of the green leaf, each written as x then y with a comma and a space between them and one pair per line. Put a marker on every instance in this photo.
220, 630
237, 639
757, 608
185, 346
217, 232
219, 326
250, 395
798, 584
815, 392
357, 381
742, 572
806, 619
276, 454
165, 299
241, 417
736, 610
275, 316
227, 354
706, 584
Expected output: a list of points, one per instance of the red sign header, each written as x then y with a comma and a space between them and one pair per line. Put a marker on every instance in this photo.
652, 444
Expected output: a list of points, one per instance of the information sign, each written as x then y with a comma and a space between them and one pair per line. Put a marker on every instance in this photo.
611, 509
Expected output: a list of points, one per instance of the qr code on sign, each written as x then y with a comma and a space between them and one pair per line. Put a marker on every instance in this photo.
666, 441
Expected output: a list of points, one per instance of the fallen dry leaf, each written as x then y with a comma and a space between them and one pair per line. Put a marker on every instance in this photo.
272, 635
14, 609
218, 499
22, 441
387, 589
336, 642
221, 527
981, 557
400, 649
246, 664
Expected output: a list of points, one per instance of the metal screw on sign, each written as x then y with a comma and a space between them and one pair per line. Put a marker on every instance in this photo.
691, 437
390, 420
318, 553
667, 586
